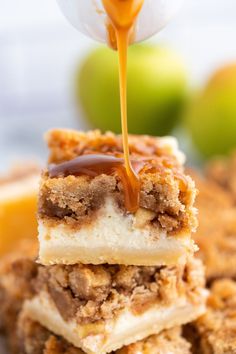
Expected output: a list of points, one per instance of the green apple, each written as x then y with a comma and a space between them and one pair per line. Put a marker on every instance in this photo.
157, 86
211, 119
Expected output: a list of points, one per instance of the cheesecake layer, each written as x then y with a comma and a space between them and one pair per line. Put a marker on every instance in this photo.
102, 308
83, 206
214, 332
34, 338
113, 238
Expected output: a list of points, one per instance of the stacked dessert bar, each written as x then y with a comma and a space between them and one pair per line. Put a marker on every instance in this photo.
214, 332
18, 272
110, 278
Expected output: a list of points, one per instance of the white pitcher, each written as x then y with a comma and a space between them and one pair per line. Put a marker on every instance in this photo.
89, 17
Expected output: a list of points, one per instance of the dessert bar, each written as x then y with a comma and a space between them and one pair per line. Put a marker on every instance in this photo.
84, 202
102, 308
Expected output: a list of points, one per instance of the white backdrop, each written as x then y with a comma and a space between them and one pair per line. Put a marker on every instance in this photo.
39, 52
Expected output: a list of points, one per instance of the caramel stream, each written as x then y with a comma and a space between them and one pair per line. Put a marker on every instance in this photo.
122, 15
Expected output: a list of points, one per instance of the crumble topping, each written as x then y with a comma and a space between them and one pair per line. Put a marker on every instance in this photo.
66, 144
216, 234
95, 293
75, 200
215, 332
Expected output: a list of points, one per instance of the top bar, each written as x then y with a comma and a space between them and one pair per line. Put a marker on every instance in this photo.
84, 201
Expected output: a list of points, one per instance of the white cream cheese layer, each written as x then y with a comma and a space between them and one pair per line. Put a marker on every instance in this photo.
112, 238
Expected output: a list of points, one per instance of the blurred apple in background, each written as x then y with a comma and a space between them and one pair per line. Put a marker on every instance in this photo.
157, 89
211, 119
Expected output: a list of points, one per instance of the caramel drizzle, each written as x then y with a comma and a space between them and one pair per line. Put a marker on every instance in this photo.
95, 164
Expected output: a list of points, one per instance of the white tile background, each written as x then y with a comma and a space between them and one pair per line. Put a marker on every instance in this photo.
39, 52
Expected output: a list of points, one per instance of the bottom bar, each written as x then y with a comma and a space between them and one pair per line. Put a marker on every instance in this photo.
108, 307
103, 308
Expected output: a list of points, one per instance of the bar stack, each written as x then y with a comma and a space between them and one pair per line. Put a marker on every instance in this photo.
109, 278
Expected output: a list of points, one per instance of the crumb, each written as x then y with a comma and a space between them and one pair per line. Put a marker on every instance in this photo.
216, 234
215, 332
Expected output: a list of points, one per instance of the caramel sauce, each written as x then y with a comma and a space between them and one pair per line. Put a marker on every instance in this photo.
91, 165
95, 164
122, 15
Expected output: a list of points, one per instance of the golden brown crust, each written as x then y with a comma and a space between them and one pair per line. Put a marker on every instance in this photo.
166, 342
65, 145
216, 234
96, 293
34, 339
165, 189
216, 330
